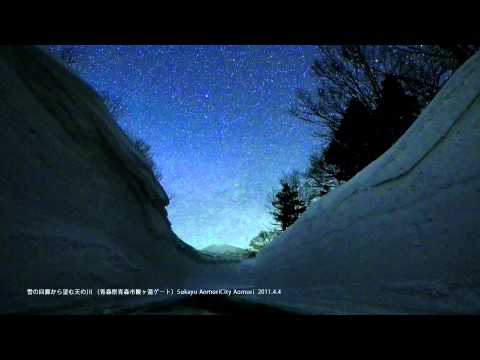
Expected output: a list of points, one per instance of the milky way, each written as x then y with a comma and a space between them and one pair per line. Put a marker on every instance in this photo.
217, 120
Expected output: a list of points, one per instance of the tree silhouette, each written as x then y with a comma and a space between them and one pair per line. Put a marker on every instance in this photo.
363, 134
395, 113
366, 97
347, 72
319, 177
348, 147
288, 206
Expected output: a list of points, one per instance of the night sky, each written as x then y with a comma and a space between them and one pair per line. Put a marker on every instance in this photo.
217, 121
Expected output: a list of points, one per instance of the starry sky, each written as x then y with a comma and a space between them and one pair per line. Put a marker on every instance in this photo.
217, 120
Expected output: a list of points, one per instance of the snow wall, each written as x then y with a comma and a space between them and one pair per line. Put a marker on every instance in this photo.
403, 235
80, 208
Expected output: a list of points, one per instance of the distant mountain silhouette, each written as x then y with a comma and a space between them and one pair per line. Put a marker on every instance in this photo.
226, 251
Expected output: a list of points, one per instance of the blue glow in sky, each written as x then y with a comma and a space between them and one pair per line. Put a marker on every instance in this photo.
217, 120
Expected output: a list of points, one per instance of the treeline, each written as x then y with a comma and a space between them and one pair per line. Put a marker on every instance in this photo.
366, 97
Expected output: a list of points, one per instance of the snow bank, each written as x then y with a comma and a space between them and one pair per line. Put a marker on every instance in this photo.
402, 236
79, 207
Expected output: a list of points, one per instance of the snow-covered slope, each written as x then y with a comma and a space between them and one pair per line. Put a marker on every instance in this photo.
401, 236
222, 248
79, 208
227, 252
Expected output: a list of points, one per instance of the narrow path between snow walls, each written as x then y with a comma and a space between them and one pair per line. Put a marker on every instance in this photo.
80, 209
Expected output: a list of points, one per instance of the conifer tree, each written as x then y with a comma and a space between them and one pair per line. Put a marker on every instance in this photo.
288, 206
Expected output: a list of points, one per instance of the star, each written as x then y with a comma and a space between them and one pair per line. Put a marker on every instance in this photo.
217, 120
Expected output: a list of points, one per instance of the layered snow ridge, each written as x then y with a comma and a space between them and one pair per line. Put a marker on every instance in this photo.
79, 206
402, 236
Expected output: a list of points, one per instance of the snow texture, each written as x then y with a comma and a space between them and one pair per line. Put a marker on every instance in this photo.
402, 236
79, 208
